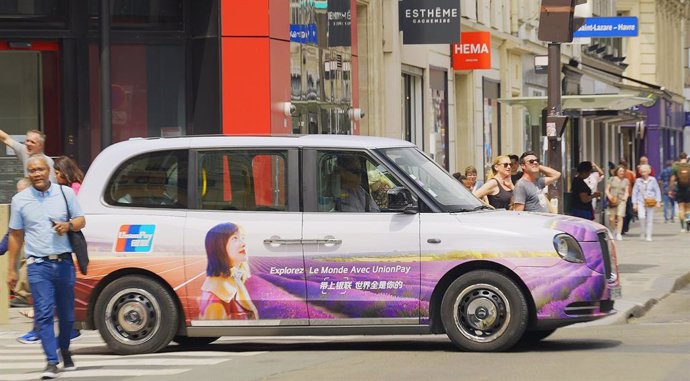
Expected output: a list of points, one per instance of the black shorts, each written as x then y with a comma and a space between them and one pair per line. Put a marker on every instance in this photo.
683, 195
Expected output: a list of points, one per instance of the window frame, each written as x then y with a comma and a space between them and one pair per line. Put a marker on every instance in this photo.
292, 198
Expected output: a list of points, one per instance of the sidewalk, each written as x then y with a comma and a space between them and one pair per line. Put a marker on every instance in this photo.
649, 271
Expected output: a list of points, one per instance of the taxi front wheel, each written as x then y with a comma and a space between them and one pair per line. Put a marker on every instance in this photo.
135, 314
484, 311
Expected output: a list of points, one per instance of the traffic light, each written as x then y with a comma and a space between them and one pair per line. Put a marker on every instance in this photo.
556, 20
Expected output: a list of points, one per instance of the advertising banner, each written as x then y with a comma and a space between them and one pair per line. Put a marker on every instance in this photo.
339, 23
429, 21
473, 52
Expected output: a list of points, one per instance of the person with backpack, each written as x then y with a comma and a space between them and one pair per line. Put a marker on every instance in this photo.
681, 178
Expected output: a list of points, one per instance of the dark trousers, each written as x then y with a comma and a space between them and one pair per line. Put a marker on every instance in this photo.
628, 215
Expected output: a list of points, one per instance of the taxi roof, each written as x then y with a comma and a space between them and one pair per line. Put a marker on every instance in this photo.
218, 141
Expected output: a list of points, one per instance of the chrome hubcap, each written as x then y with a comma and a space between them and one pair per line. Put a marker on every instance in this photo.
132, 316
481, 313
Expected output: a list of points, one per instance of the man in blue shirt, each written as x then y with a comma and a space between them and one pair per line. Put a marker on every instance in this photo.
38, 219
669, 202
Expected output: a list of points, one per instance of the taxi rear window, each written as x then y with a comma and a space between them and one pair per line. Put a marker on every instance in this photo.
151, 180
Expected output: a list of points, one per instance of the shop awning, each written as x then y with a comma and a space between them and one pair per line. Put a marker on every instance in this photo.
583, 102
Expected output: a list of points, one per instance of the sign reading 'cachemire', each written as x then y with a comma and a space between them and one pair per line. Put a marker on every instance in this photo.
430, 21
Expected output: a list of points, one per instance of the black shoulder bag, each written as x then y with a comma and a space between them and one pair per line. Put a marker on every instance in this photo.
78, 242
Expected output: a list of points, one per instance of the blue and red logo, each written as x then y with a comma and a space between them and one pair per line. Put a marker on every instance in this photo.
135, 239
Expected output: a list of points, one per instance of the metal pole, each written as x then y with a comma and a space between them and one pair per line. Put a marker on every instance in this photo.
106, 112
554, 123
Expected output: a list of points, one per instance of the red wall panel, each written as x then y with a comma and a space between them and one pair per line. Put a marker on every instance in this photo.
246, 85
245, 17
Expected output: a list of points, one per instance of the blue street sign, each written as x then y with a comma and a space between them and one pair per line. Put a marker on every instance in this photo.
608, 27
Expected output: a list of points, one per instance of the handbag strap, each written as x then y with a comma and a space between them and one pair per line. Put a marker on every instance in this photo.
69, 215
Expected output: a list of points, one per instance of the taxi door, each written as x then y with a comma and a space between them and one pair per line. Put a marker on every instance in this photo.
243, 239
361, 261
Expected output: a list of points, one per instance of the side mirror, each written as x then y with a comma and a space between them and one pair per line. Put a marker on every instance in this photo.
400, 200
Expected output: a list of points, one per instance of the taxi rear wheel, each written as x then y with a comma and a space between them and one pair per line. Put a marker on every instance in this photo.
135, 314
484, 311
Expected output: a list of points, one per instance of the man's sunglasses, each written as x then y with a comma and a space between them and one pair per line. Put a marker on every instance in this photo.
532, 161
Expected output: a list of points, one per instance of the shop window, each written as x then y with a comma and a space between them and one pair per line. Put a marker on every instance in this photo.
151, 14
234, 180
30, 12
147, 91
153, 180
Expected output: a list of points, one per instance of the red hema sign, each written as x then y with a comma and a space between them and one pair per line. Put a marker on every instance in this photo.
473, 51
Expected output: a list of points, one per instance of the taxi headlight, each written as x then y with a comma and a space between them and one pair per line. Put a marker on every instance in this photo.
568, 248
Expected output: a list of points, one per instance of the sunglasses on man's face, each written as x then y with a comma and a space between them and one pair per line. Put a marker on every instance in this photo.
533, 161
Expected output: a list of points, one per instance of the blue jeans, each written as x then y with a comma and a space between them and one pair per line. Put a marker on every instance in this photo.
669, 207
52, 289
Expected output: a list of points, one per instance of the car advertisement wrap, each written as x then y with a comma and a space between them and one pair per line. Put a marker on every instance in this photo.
229, 273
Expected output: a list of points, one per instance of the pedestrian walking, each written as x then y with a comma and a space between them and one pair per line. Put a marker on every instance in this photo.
39, 219
67, 172
472, 183
593, 181
680, 179
582, 195
528, 195
666, 193
630, 175
499, 189
33, 145
646, 196
644, 160
617, 197
515, 173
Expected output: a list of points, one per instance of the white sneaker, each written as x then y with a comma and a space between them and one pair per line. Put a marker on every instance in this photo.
619, 237
648, 239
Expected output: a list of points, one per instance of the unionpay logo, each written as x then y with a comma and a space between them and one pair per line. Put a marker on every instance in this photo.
135, 239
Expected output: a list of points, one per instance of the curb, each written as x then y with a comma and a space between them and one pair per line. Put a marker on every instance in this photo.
639, 310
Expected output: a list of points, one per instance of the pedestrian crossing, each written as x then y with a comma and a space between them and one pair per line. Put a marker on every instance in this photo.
93, 359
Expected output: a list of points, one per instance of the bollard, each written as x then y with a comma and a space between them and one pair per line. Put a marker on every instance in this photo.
4, 262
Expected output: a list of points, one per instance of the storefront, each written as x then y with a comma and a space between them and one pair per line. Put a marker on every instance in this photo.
170, 68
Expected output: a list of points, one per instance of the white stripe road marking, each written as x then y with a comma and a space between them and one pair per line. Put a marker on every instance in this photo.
122, 362
91, 374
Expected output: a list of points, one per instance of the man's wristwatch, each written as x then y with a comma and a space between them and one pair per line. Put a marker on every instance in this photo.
69, 225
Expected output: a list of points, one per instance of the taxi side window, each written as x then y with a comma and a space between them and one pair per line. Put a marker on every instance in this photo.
242, 180
152, 180
352, 182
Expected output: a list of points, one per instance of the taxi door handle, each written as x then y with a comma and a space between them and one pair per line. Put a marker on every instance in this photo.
433, 240
326, 241
277, 241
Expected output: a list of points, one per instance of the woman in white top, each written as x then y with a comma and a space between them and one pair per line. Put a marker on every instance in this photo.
646, 196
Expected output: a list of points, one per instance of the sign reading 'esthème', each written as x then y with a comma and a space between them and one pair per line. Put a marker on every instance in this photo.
473, 52
430, 21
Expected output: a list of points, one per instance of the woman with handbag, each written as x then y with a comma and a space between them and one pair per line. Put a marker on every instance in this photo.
646, 196
617, 196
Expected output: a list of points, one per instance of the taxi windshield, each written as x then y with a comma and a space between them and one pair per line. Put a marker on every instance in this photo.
449, 193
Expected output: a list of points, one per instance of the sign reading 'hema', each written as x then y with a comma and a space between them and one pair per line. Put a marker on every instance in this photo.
473, 52
430, 21
608, 27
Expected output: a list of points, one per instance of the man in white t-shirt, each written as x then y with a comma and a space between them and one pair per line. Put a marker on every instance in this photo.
593, 181
33, 145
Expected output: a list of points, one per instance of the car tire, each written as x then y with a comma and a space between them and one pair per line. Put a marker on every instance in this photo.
484, 311
187, 341
135, 314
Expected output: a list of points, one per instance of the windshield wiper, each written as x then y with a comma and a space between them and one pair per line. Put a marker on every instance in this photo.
480, 207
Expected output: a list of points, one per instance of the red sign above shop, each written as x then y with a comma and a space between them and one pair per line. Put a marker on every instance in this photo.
473, 52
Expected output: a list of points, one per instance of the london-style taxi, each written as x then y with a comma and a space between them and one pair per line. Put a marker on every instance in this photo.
193, 238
